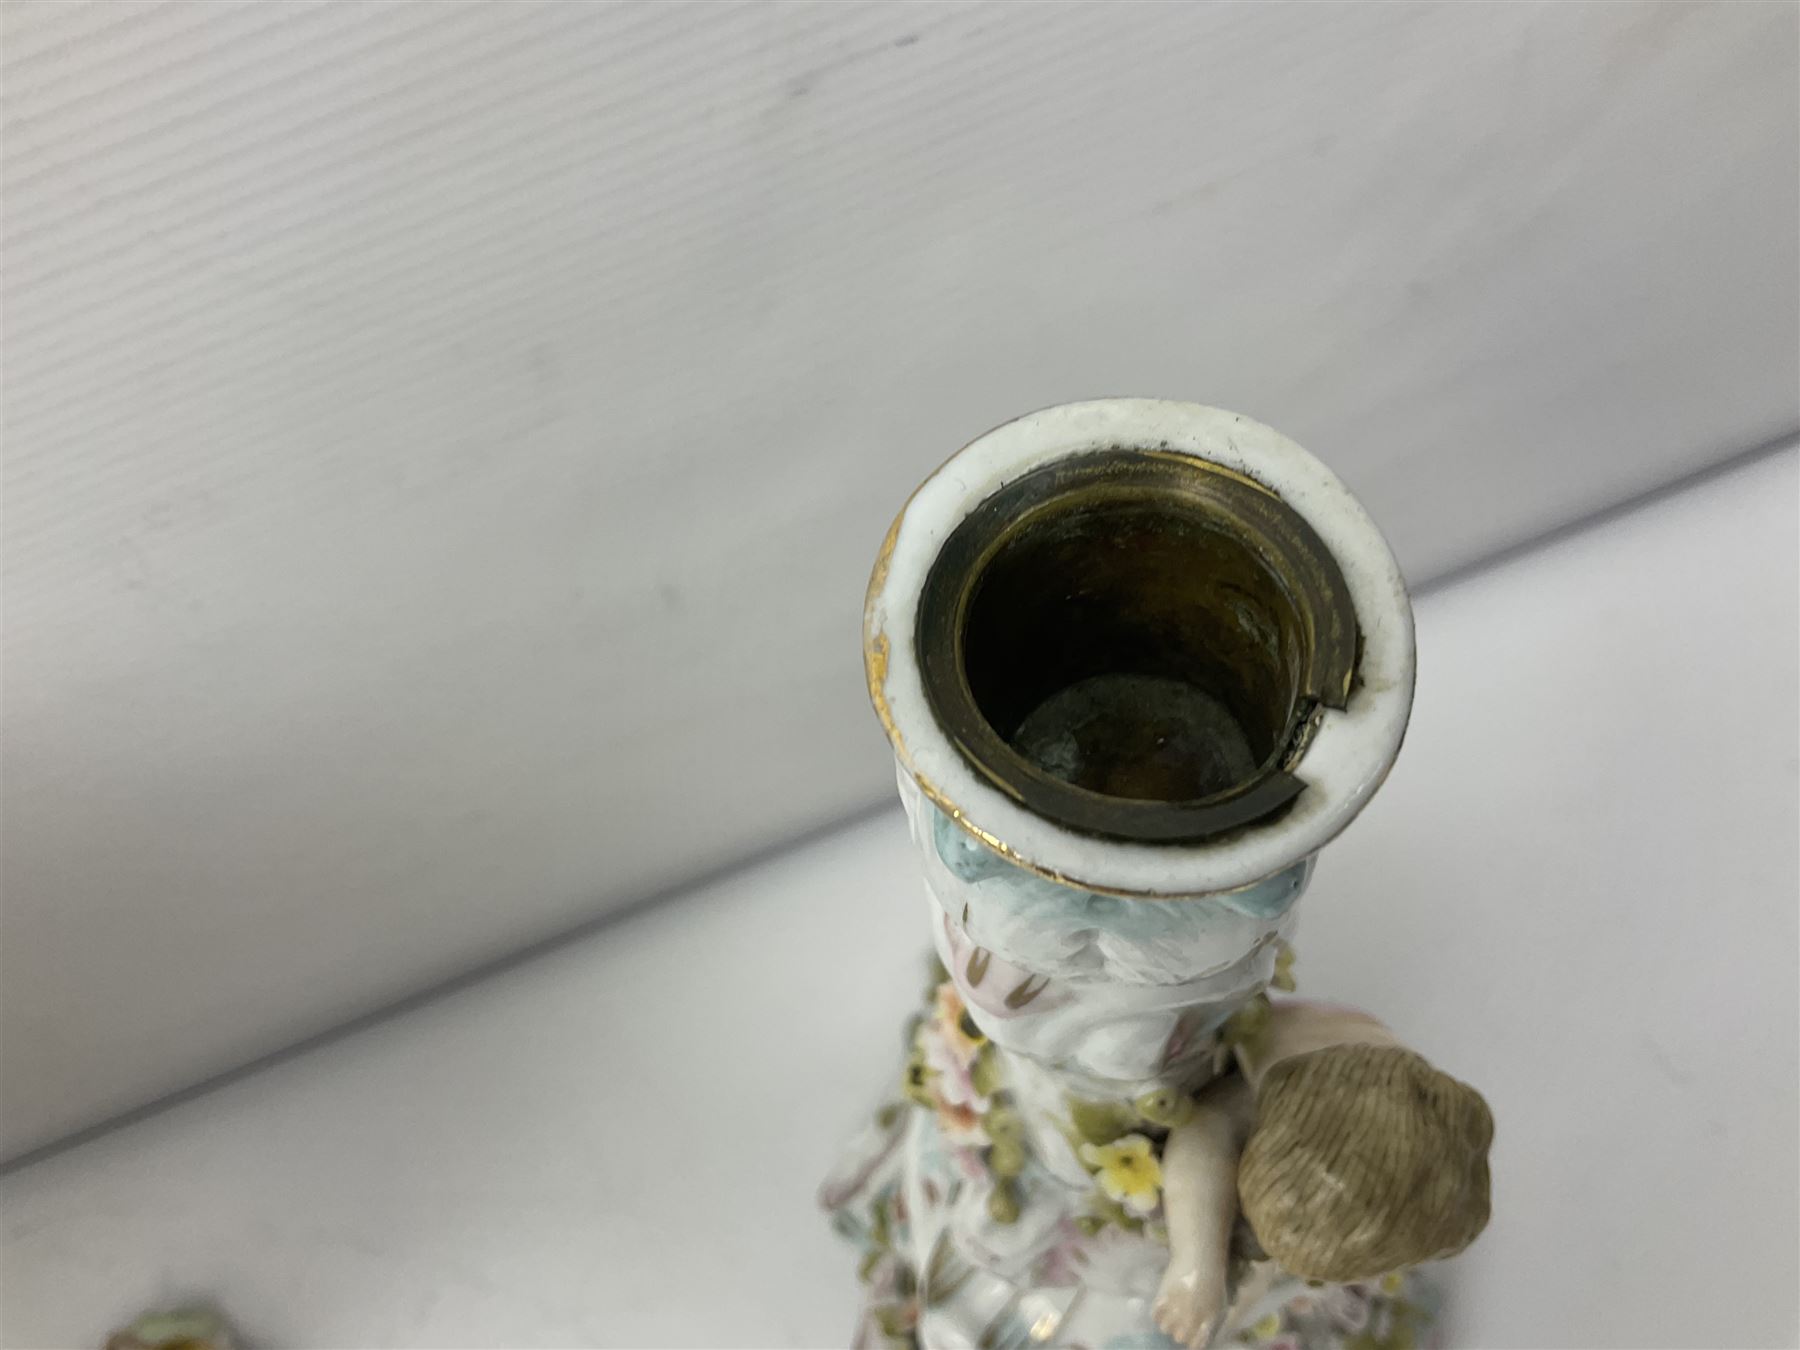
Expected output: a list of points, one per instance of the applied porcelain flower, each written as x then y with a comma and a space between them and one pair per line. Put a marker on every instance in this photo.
1127, 1171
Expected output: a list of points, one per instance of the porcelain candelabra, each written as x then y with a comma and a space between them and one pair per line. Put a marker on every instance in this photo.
1139, 662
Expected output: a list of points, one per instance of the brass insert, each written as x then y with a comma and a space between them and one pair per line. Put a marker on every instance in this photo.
1132, 643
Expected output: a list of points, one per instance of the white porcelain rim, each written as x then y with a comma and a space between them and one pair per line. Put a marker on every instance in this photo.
1350, 753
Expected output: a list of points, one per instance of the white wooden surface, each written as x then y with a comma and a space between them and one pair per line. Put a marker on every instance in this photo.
445, 443
1577, 890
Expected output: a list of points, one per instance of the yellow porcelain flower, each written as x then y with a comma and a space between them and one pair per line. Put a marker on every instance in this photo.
1268, 1328
1127, 1171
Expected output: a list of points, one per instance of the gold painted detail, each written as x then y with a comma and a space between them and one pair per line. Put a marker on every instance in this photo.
1026, 990
945, 1273
977, 968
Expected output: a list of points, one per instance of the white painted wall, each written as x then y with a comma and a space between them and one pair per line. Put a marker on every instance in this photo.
444, 444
